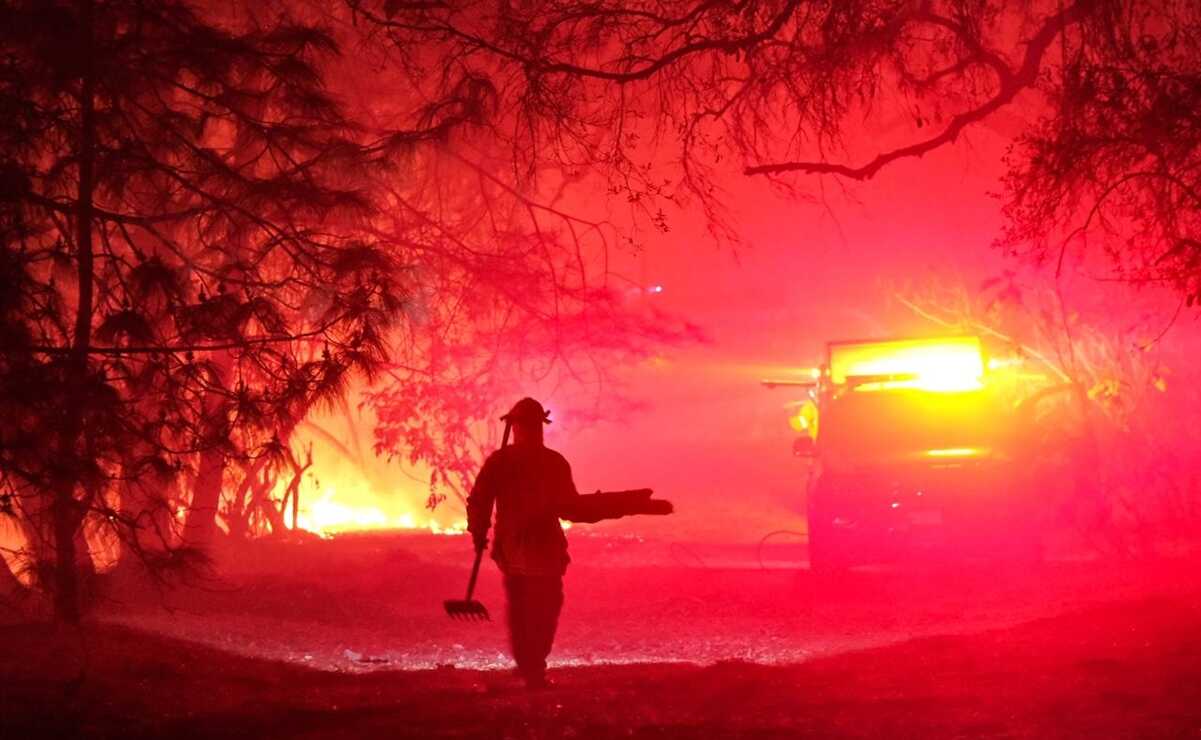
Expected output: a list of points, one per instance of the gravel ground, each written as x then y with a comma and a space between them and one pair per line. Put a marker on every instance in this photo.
373, 602
329, 640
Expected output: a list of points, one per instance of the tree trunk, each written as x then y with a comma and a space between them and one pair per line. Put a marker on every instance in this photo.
274, 516
85, 566
201, 526
239, 512
65, 511
66, 573
254, 494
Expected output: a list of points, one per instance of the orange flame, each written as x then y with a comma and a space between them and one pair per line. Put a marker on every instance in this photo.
332, 512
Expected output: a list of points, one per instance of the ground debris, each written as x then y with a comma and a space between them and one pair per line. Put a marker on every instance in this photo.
742, 652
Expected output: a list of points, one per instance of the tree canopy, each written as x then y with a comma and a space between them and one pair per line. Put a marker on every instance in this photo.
661, 97
181, 222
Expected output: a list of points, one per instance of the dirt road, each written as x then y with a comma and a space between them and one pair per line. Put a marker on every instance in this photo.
346, 639
373, 602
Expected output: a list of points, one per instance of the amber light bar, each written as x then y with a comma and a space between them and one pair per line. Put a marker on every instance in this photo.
946, 364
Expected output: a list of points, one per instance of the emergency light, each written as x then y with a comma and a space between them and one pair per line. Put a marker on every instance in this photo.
943, 364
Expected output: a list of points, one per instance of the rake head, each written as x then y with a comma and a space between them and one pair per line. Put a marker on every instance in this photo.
466, 609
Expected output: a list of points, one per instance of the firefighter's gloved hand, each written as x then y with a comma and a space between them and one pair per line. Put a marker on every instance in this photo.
642, 503
657, 507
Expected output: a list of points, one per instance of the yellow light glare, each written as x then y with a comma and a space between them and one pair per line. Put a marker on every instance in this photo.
802, 418
944, 365
956, 452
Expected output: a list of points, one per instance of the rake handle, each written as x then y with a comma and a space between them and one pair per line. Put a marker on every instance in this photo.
475, 572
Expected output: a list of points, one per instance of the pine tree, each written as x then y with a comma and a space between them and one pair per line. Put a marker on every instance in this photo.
184, 264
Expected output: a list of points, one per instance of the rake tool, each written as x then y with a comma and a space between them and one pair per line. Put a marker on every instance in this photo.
468, 608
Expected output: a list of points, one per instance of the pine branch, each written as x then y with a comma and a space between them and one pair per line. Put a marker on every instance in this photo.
1010, 84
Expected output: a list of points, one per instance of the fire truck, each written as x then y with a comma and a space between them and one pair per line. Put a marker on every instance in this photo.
915, 449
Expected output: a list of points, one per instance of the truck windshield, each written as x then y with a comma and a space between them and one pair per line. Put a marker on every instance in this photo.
884, 426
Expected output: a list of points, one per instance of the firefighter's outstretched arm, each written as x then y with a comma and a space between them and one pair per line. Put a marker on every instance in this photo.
595, 507
479, 505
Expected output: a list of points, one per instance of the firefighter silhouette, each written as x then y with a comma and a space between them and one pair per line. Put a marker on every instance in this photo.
531, 488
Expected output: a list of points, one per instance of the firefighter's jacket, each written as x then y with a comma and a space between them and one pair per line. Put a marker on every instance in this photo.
532, 488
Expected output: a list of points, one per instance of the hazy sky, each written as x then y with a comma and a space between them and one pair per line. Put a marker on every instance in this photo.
713, 438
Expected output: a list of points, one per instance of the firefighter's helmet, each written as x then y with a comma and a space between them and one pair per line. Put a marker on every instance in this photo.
527, 411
